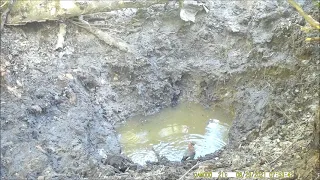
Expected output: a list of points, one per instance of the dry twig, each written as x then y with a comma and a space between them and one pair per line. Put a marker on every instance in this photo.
116, 42
190, 170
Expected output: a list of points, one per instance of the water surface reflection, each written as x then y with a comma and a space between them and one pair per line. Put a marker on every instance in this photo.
169, 132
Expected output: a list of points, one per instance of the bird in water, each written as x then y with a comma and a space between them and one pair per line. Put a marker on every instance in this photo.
189, 153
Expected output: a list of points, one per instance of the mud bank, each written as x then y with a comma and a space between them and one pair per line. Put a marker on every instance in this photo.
59, 108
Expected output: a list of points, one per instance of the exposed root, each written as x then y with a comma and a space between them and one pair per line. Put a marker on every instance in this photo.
112, 41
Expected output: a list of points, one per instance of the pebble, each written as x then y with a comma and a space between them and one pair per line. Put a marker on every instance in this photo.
41, 178
69, 76
36, 108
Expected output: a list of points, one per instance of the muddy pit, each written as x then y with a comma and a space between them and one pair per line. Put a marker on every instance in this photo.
59, 109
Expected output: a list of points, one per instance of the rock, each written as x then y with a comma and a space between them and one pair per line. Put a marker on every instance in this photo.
190, 9
41, 178
119, 162
35, 109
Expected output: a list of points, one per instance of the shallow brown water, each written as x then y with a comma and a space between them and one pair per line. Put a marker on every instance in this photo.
169, 132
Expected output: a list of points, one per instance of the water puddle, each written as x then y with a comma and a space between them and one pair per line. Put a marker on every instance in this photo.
169, 132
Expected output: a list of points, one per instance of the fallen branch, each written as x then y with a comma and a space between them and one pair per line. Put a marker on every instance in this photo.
23, 12
116, 42
190, 170
315, 24
311, 39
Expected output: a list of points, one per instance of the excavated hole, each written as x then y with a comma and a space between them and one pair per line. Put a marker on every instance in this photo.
169, 131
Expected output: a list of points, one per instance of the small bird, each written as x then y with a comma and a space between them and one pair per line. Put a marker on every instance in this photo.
189, 153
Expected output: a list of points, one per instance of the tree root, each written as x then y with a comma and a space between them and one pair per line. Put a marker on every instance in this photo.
112, 41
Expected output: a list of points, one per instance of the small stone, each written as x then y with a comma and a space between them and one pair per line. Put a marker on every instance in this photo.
19, 83
116, 77
102, 81
69, 76
36, 108
72, 98
7, 63
41, 178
